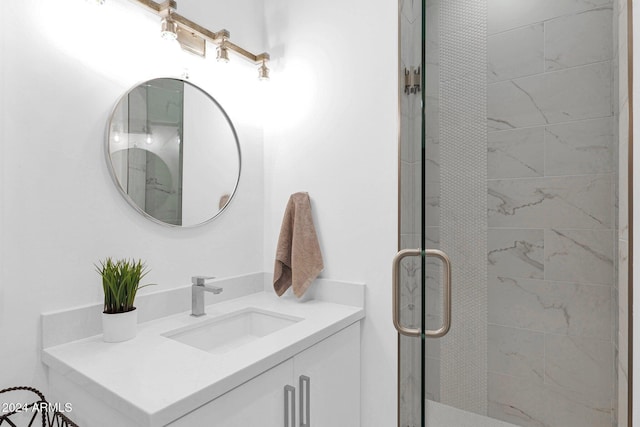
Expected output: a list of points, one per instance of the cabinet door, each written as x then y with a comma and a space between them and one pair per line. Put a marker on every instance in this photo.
333, 369
258, 402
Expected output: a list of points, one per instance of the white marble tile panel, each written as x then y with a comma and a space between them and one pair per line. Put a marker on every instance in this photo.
432, 119
433, 284
405, 105
433, 348
432, 81
623, 304
411, 289
578, 363
550, 98
432, 236
406, 152
409, 10
584, 147
616, 13
615, 155
432, 45
623, 402
515, 153
621, 5
515, 400
516, 352
416, 42
516, 53
407, 199
623, 58
552, 307
565, 202
406, 39
516, 253
432, 379
582, 408
432, 173
409, 373
579, 39
433, 281
410, 241
584, 256
432, 206
623, 173
532, 404
508, 14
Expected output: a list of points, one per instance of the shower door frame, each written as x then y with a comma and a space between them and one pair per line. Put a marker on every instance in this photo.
630, 209
630, 213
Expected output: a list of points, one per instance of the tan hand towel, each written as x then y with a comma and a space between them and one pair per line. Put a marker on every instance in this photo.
298, 256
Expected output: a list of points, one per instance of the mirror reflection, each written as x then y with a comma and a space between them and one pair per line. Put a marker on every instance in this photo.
173, 152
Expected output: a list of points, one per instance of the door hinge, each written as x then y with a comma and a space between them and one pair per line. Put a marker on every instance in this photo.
412, 80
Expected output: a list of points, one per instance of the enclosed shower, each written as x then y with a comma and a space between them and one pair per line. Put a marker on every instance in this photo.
513, 162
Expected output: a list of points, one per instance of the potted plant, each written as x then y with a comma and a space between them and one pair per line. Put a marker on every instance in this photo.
120, 283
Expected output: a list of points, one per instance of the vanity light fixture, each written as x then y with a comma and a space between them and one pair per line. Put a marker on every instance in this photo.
222, 54
194, 38
169, 28
263, 71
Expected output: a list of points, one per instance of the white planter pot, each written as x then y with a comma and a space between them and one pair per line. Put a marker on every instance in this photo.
119, 326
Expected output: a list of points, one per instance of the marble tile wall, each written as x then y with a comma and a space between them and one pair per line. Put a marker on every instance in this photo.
552, 253
621, 294
432, 187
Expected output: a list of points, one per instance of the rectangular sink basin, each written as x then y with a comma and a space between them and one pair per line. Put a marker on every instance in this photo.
232, 330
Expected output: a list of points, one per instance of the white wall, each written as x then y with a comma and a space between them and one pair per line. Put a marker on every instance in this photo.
333, 132
64, 66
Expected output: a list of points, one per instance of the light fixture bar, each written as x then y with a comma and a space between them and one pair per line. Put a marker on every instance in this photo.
158, 7
256, 59
192, 36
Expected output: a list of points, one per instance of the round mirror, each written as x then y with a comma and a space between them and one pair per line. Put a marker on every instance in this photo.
173, 152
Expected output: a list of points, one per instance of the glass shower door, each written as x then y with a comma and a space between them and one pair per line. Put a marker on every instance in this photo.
511, 127
409, 285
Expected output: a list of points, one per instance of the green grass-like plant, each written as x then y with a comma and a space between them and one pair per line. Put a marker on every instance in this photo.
120, 282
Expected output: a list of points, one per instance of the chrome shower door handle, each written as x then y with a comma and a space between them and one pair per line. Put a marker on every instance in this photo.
410, 332
446, 298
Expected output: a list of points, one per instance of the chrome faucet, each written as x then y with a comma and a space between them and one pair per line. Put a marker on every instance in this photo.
198, 288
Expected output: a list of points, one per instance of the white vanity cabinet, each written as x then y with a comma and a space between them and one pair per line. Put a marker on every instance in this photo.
325, 380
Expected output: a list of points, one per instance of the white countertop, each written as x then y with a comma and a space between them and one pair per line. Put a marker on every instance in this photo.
155, 380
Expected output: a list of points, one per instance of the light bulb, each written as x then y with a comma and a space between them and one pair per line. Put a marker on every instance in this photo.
222, 54
169, 29
263, 71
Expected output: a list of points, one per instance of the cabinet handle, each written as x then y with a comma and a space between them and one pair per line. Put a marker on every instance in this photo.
305, 401
289, 406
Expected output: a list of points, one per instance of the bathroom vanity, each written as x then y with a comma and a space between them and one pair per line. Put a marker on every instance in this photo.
253, 360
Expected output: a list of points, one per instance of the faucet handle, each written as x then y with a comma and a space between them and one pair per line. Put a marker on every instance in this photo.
201, 280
